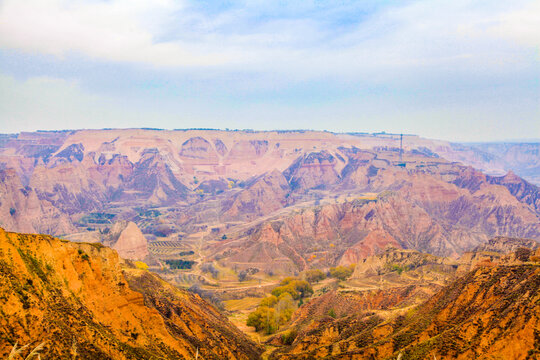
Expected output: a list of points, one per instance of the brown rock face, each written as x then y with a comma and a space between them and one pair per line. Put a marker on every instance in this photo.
78, 299
391, 258
127, 239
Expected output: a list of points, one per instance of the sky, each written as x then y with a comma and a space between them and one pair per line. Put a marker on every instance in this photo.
459, 70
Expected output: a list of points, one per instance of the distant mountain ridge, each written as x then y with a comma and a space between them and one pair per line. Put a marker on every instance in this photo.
294, 199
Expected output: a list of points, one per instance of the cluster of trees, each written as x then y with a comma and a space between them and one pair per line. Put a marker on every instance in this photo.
296, 288
180, 264
277, 309
245, 274
339, 272
210, 268
314, 276
342, 272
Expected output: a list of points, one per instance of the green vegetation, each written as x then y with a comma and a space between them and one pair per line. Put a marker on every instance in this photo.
186, 253
149, 213
296, 288
332, 313
277, 309
268, 318
398, 268
288, 337
97, 218
33, 265
180, 264
269, 301
342, 272
314, 276
83, 255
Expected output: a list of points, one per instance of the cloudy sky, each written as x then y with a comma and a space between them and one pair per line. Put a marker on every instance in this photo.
463, 70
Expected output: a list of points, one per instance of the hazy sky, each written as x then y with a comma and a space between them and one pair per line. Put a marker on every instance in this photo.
457, 69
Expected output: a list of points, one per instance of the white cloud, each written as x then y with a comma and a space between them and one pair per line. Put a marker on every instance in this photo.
167, 33
117, 30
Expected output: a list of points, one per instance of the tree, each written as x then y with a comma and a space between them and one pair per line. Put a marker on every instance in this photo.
296, 288
341, 272
314, 276
284, 308
269, 301
210, 268
263, 319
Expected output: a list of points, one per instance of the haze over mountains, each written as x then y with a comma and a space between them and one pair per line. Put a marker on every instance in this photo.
427, 232
289, 199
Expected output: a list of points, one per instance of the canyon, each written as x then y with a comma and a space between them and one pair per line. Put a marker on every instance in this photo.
292, 199
133, 218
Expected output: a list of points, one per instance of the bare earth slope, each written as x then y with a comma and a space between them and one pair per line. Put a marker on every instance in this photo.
77, 299
492, 312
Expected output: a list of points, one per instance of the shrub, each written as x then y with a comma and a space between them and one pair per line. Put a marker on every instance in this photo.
263, 319
141, 265
288, 337
332, 313
180, 264
269, 301
296, 288
398, 268
523, 254
271, 313
210, 268
314, 276
341, 272
244, 274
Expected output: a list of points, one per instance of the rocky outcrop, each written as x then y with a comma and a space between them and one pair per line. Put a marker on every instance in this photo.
154, 181
127, 239
499, 250
506, 245
262, 196
392, 259
81, 301
521, 189
315, 169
